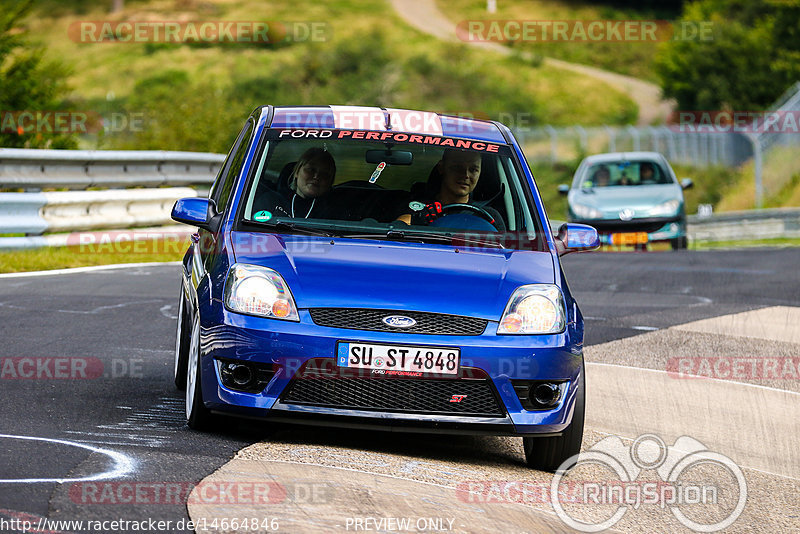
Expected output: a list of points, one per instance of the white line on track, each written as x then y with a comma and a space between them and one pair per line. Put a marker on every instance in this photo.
123, 464
76, 270
696, 376
625, 438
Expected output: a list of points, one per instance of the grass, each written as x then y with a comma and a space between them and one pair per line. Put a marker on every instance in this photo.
780, 180
776, 242
631, 58
48, 258
370, 57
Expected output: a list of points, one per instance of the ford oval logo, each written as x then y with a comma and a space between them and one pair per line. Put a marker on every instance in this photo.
399, 321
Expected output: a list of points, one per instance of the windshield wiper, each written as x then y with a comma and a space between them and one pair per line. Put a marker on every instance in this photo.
286, 226
417, 235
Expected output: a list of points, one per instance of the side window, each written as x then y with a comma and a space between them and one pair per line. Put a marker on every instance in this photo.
221, 192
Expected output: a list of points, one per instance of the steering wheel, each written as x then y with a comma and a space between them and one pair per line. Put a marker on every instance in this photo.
475, 210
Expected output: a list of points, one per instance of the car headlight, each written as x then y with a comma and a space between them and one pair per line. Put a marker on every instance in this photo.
586, 212
534, 309
667, 208
259, 291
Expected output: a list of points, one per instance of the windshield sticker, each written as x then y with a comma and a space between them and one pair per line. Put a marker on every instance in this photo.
377, 173
416, 206
390, 137
262, 216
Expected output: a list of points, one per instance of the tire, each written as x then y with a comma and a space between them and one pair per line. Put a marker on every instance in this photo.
680, 243
198, 417
182, 340
547, 454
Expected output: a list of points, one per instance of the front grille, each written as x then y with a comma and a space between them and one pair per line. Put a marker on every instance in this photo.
427, 323
648, 225
424, 396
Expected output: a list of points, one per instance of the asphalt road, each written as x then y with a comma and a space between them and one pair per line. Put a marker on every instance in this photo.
108, 336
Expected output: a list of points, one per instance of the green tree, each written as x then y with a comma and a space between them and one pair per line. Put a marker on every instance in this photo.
751, 59
27, 83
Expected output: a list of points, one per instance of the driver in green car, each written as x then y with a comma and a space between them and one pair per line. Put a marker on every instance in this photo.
460, 171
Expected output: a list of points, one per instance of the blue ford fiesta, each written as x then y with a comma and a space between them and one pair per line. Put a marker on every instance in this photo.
381, 268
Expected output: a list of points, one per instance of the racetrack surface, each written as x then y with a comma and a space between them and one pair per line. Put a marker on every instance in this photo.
115, 331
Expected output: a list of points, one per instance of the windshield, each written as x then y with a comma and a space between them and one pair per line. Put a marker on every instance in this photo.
625, 173
368, 187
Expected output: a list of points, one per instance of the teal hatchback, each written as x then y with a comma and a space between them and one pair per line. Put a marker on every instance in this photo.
631, 198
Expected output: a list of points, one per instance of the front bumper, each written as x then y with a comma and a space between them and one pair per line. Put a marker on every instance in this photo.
656, 228
288, 346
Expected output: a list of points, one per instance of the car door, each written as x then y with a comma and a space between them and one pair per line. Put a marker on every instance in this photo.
204, 246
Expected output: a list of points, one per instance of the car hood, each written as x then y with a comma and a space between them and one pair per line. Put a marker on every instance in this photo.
360, 273
639, 198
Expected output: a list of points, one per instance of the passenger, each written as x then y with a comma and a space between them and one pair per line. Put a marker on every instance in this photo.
601, 177
309, 186
646, 172
460, 172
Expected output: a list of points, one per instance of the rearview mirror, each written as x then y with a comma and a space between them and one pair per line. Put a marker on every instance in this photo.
686, 183
563, 189
573, 237
392, 157
197, 211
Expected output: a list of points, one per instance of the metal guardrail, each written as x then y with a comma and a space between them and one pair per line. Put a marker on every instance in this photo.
746, 225
80, 169
34, 213
737, 225
133, 195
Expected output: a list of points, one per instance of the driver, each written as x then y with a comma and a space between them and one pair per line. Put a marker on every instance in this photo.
460, 171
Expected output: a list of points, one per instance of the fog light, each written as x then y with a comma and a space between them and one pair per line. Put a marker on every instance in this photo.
539, 394
245, 376
545, 395
241, 374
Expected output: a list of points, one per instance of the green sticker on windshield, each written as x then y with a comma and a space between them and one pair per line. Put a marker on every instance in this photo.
262, 216
416, 206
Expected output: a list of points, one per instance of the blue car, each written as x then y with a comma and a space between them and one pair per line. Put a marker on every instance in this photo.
386, 269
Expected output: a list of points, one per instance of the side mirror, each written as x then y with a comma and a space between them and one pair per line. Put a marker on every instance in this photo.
563, 189
686, 183
197, 211
573, 237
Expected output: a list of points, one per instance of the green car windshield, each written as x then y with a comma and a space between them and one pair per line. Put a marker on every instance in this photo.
627, 173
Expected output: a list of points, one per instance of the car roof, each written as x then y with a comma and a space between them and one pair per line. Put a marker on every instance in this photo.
376, 118
623, 156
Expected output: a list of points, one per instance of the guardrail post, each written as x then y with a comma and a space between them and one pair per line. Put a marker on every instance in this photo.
757, 164
584, 139
670, 136
612, 138
553, 143
637, 144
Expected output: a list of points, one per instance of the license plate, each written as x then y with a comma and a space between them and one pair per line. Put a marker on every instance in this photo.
398, 359
629, 238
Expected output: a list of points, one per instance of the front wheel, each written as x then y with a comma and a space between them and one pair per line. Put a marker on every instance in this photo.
547, 454
182, 341
198, 417
679, 243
